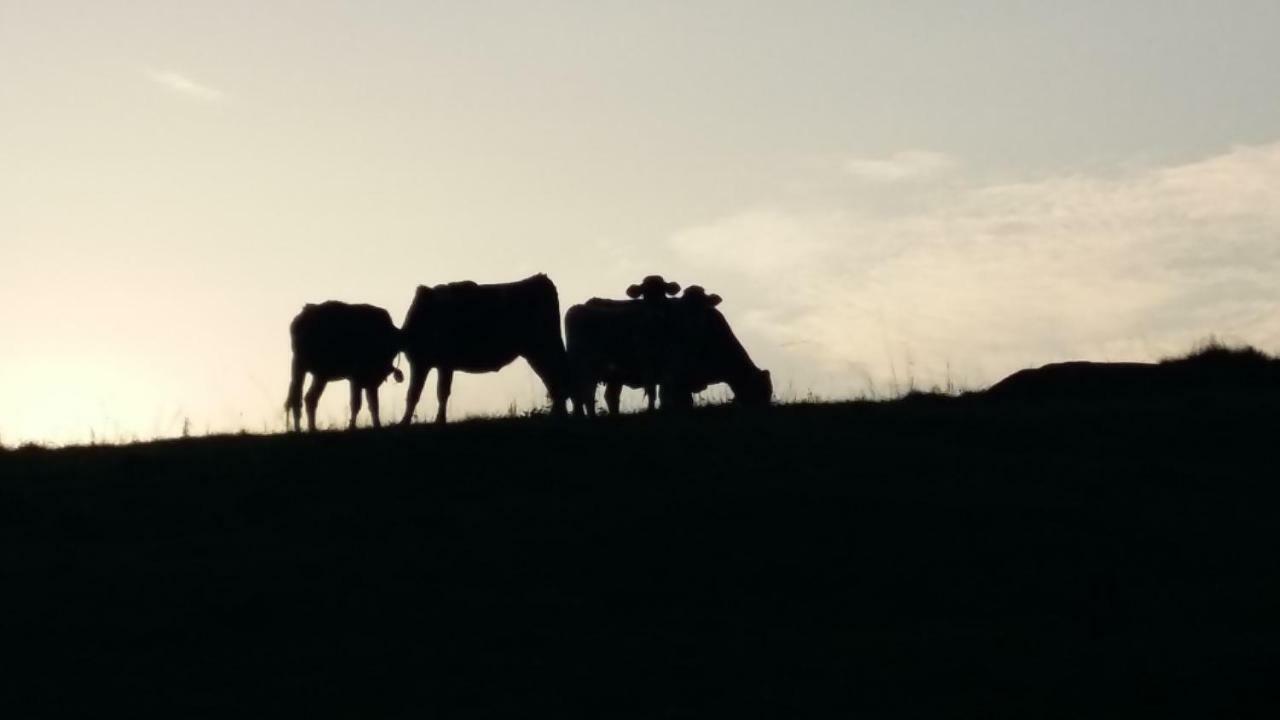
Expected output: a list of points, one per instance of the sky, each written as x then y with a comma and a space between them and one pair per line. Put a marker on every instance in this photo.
887, 194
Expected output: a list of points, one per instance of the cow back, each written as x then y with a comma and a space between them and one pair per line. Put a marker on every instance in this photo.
336, 339
482, 327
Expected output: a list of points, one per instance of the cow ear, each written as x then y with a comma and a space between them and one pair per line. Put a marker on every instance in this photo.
673, 288
633, 292
713, 300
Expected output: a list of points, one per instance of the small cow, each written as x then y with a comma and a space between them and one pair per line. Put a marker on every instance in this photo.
483, 328
337, 341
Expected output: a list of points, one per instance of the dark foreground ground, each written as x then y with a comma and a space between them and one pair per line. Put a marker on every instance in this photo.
922, 558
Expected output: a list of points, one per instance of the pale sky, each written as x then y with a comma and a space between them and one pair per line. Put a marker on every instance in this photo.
882, 192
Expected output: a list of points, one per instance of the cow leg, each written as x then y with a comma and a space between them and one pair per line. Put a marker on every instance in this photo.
675, 399
613, 396
582, 392
355, 405
417, 379
585, 402
372, 393
444, 386
313, 398
293, 403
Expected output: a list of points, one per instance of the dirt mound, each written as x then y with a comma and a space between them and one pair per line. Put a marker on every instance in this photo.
1213, 370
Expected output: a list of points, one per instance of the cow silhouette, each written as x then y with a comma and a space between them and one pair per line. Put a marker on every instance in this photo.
615, 342
704, 352
618, 343
464, 326
338, 341
682, 345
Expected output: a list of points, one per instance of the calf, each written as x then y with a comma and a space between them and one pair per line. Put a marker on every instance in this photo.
337, 341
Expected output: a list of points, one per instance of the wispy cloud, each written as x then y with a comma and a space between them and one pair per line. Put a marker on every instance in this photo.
904, 166
987, 279
185, 86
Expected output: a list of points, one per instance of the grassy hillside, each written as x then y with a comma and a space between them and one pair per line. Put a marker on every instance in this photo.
920, 558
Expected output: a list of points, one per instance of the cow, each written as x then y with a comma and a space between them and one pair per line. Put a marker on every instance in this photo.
617, 342
706, 352
483, 328
338, 341
682, 344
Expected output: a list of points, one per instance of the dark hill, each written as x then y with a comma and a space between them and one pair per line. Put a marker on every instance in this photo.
1213, 372
931, 557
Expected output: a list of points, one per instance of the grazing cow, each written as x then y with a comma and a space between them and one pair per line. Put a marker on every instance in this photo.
483, 328
683, 345
337, 341
707, 352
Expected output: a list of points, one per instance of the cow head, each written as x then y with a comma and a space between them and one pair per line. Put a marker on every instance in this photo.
653, 287
698, 295
756, 390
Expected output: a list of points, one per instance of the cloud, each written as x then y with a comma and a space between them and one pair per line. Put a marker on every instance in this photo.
904, 166
184, 85
988, 279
